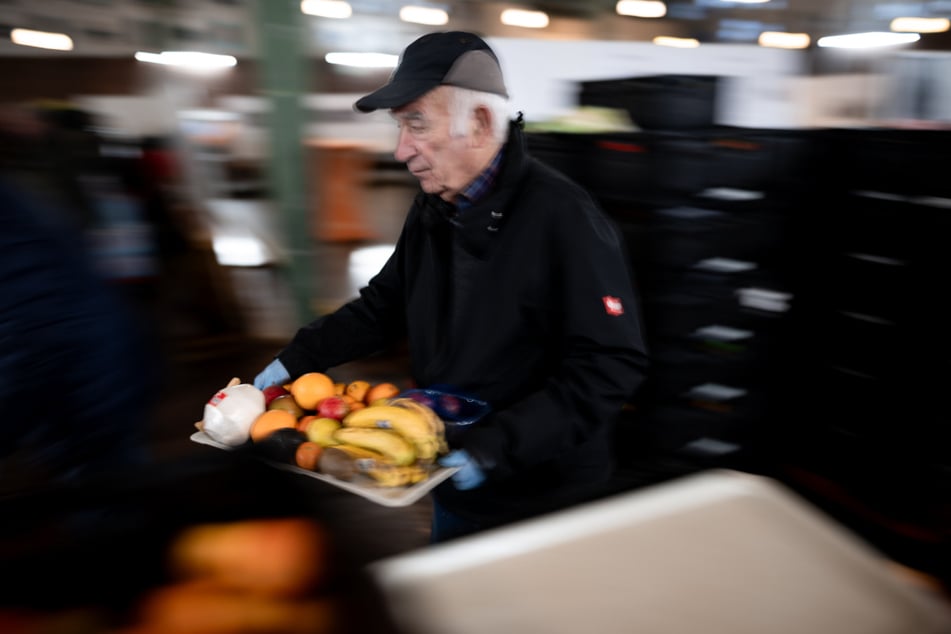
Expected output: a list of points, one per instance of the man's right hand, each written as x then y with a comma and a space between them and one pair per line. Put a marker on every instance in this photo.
274, 374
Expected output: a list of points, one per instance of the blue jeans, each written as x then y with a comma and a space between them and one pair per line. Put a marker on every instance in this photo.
446, 525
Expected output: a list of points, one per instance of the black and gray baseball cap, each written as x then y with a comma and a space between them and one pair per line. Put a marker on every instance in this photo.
452, 58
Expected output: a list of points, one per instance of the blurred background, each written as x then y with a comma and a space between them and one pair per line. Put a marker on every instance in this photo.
778, 169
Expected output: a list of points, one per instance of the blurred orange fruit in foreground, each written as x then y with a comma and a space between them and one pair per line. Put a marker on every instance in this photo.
310, 388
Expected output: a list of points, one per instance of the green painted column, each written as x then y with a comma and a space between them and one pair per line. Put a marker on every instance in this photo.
283, 69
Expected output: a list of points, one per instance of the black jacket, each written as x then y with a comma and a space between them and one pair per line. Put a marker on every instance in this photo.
524, 300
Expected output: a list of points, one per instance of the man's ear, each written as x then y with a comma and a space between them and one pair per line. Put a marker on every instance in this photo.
482, 125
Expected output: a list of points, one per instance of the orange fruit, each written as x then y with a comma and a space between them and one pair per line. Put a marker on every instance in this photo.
270, 421
307, 455
303, 421
340, 389
311, 388
358, 389
380, 391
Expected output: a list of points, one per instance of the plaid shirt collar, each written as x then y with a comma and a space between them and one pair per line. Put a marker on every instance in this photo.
478, 188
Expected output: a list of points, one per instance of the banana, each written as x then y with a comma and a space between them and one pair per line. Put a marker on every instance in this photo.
344, 462
394, 447
436, 424
410, 424
391, 476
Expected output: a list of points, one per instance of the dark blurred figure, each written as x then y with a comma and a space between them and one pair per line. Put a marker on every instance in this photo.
74, 391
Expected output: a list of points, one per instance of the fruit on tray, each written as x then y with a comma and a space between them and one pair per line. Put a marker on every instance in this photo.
395, 448
310, 388
289, 403
271, 392
344, 462
281, 444
425, 435
321, 431
307, 455
393, 476
380, 391
270, 421
333, 407
357, 390
341, 429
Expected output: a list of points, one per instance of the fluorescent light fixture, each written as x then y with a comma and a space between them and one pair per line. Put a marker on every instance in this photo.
676, 42
641, 8
526, 19
747, 1
236, 250
189, 60
362, 60
423, 15
326, 8
781, 39
872, 39
42, 39
920, 25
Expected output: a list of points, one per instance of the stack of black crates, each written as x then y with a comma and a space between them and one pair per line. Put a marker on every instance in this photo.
872, 325
703, 209
792, 285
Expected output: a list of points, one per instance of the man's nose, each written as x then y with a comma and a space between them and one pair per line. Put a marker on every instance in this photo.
404, 146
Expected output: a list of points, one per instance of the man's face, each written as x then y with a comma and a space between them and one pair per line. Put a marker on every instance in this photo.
441, 162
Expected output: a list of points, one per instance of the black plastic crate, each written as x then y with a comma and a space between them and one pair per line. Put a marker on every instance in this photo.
729, 158
657, 102
614, 167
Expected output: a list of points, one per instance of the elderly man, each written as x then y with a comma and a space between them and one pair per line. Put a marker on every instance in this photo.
508, 283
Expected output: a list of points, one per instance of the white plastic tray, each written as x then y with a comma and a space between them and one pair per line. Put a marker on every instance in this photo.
361, 485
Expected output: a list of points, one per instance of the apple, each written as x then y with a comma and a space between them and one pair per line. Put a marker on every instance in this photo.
333, 407
287, 402
272, 392
321, 430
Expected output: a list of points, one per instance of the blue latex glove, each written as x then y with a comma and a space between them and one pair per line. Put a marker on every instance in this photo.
274, 374
470, 475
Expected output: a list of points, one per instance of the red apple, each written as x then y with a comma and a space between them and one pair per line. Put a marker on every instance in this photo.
272, 392
335, 407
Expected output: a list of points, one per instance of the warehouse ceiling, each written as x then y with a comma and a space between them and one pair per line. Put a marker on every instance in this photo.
118, 27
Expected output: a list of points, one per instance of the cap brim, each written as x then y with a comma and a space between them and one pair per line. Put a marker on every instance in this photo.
394, 95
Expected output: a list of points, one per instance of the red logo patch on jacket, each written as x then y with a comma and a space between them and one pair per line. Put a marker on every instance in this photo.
612, 305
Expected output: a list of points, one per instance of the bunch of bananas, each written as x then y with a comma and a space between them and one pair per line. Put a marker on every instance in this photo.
395, 442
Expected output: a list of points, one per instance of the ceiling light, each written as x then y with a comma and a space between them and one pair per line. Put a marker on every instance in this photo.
676, 42
423, 15
641, 8
921, 25
326, 8
526, 19
189, 60
872, 39
42, 39
781, 39
362, 60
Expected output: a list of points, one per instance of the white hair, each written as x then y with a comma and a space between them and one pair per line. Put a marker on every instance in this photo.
462, 103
